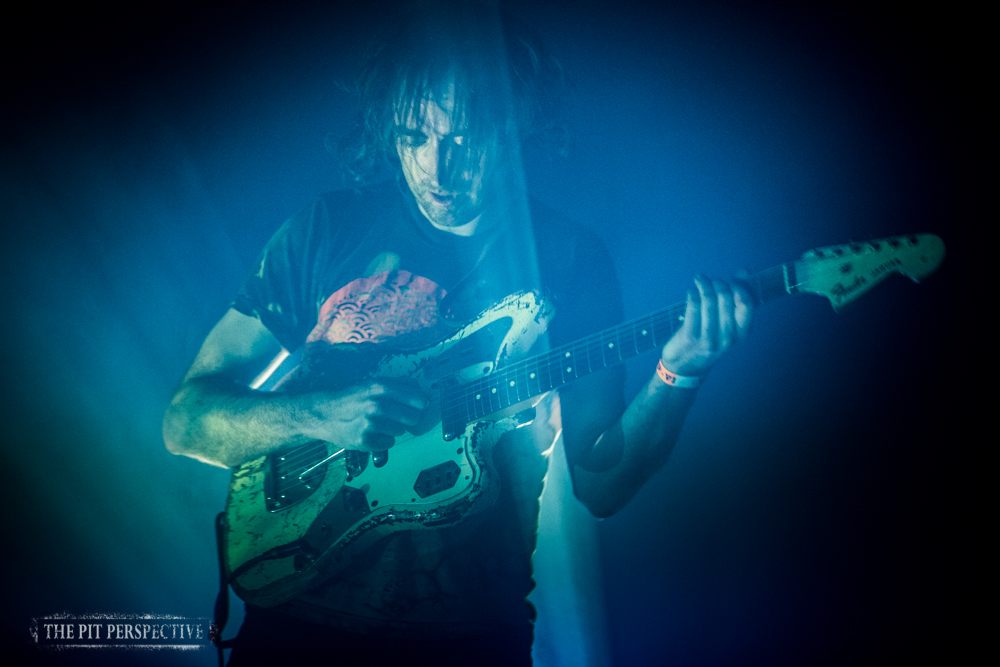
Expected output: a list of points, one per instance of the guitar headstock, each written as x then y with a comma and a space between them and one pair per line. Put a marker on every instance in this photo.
842, 273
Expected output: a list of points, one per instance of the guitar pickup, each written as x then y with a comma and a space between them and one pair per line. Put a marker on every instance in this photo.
437, 479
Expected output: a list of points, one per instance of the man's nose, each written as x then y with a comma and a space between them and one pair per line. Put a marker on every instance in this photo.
440, 163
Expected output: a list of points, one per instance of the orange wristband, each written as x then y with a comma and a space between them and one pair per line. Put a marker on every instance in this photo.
675, 380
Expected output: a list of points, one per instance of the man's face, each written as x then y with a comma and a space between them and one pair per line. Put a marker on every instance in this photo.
425, 141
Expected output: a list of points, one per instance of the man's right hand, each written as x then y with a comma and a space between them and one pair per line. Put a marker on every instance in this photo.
368, 417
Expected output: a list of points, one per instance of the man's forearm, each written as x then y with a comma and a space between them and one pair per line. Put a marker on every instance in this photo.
220, 422
717, 315
633, 449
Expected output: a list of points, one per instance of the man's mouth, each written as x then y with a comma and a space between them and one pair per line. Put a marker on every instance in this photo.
441, 198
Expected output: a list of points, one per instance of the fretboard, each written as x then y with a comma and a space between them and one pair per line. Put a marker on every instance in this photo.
522, 380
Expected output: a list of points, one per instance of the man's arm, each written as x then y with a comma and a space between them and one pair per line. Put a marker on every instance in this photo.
217, 418
611, 460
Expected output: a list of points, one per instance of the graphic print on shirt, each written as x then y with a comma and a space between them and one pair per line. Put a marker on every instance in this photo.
395, 308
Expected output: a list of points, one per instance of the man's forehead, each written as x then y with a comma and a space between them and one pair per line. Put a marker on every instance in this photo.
434, 112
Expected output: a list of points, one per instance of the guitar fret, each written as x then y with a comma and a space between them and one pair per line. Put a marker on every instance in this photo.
486, 402
485, 397
491, 395
475, 404
509, 384
495, 402
520, 381
498, 391
647, 334
527, 379
533, 376
549, 378
470, 407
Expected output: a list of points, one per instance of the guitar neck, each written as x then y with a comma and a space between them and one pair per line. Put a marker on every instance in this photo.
525, 379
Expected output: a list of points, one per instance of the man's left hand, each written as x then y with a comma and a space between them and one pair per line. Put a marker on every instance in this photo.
717, 316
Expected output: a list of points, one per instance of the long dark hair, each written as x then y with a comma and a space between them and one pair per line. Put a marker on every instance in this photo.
508, 89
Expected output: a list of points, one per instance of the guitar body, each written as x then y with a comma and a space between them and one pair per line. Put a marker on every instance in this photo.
301, 515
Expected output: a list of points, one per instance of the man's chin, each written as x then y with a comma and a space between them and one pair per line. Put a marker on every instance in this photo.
441, 216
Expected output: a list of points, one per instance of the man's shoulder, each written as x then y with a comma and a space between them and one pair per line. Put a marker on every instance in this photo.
340, 211
555, 231
367, 199
545, 216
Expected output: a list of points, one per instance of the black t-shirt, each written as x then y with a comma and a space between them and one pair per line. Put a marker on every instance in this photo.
366, 267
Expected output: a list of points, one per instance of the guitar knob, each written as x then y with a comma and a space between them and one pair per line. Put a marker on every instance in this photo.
379, 459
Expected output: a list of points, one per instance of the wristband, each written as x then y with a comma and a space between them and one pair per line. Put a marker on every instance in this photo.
675, 380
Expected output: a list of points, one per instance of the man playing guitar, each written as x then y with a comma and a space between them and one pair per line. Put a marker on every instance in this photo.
448, 96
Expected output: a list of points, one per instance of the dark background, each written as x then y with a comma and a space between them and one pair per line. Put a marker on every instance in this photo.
819, 504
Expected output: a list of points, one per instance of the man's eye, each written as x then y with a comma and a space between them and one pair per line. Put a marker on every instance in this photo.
412, 140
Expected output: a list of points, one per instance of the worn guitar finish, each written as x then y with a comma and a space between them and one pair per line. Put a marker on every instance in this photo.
300, 516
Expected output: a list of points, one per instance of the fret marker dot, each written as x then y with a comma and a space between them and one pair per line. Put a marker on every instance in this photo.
532, 376
478, 396
643, 332
568, 354
569, 369
512, 383
494, 390
611, 344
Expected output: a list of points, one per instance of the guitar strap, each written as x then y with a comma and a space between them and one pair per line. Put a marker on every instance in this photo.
220, 615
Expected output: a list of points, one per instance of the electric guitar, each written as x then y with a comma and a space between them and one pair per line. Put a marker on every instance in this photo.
300, 516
